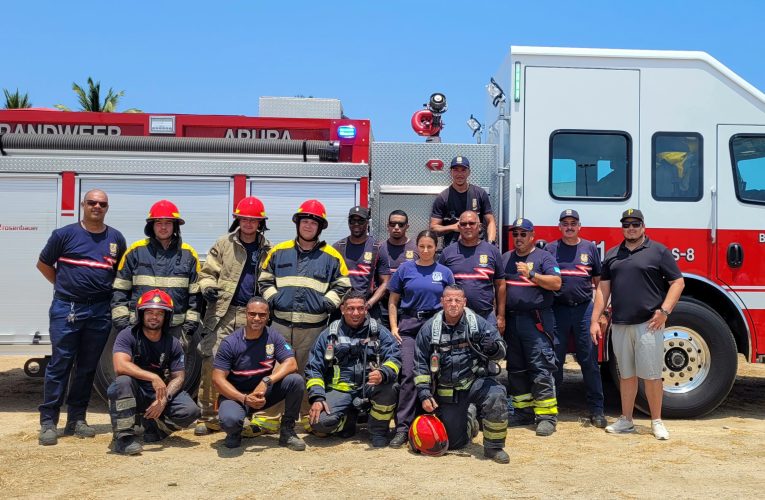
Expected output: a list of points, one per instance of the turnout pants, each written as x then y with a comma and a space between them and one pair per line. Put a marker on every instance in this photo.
290, 389
78, 334
383, 402
235, 318
531, 363
302, 340
128, 396
490, 399
575, 321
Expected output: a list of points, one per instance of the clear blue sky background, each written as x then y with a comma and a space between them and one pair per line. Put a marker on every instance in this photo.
382, 59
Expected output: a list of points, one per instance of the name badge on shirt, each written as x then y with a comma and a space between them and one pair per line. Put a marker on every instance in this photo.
269, 349
113, 249
437, 276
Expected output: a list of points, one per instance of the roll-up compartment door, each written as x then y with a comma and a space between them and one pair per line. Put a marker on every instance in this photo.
282, 199
27, 218
204, 203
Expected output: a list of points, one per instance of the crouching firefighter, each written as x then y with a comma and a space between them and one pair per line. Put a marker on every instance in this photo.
353, 368
148, 362
456, 353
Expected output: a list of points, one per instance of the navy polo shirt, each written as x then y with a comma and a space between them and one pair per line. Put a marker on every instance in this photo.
85, 262
578, 265
394, 256
248, 361
154, 357
522, 293
362, 263
475, 269
639, 280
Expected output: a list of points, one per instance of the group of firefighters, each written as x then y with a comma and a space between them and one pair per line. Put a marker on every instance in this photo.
318, 331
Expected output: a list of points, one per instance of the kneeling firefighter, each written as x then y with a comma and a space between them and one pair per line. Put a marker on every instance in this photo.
455, 357
352, 368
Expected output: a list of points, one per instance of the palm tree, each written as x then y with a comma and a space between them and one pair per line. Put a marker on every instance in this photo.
91, 100
16, 100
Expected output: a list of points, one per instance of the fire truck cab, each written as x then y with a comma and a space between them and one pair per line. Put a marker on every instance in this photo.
675, 134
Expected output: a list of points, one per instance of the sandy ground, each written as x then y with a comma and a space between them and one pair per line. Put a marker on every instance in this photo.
721, 455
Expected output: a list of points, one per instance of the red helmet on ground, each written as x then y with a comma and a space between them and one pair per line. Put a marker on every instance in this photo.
427, 435
312, 209
164, 209
250, 207
155, 299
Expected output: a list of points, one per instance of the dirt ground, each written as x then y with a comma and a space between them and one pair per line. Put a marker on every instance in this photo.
721, 455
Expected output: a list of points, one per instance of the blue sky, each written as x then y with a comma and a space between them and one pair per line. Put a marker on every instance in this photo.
382, 59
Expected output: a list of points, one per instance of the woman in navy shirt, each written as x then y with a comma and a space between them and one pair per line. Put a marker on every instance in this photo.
416, 287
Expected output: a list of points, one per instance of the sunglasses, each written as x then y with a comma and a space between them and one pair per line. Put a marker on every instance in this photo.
93, 203
357, 222
626, 225
468, 224
519, 234
396, 224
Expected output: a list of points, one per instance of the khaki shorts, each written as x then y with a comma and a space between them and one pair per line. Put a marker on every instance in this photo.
638, 351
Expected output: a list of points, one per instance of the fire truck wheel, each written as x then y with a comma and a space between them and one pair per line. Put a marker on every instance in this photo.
700, 362
105, 370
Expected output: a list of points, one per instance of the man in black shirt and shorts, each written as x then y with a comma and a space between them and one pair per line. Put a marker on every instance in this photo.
644, 283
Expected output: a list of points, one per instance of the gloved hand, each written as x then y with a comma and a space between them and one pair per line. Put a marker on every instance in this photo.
187, 333
120, 324
211, 294
488, 345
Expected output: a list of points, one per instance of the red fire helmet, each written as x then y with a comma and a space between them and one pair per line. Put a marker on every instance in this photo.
155, 299
164, 209
250, 207
428, 436
313, 209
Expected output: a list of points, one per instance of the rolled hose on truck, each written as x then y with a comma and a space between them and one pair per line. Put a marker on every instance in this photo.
105, 370
700, 362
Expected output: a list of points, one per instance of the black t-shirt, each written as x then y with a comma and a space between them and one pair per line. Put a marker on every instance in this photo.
248, 280
156, 357
450, 204
639, 280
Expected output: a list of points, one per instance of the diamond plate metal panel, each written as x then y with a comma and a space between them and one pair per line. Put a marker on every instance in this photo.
404, 164
300, 107
191, 166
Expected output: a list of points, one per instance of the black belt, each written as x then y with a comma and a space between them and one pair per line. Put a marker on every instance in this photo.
413, 313
95, 299
571, 303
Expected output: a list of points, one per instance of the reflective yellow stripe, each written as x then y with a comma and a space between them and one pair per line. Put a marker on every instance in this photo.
186, 246
523, 404
380, 415
495, 426
421, 379
339, 385
546, 411
120, 312
445, 391
120, 284
192, 316
284, 245
464, 384
269, 292
160, 281
270, 424
314, 381
300, 317
137, 244
178, 319
333, 297
383, 408
393, 366
124, 404
543, 403
301, 282
125, 423
334, 253
194, 288
495, 435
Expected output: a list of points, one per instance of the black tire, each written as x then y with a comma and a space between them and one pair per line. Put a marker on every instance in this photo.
105, 371
700, 362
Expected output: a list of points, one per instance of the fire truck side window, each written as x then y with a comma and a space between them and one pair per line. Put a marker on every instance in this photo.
677, 173
590, 164
748, 156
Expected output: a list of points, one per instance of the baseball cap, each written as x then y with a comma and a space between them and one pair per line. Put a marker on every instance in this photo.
522, 224
569, 213
460, 161
359, 211
632, 213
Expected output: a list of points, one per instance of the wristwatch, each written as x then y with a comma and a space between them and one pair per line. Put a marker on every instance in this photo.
532, 273
267, 381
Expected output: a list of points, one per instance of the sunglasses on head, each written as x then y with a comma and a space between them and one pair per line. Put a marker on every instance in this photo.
519, 234
625, 225
93, 203
468, 224
396, 224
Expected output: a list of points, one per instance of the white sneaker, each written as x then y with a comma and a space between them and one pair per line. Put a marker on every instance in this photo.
659, 431
621, 426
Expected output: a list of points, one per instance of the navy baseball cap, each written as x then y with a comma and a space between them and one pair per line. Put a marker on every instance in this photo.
569, 213
359, 211
460, 161
632, 213
524, 224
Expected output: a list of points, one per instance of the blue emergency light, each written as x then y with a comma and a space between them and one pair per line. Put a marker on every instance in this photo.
346, 132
